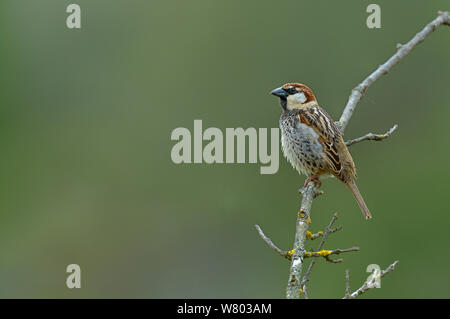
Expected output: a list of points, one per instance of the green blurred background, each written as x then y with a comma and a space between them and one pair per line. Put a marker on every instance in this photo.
87, 178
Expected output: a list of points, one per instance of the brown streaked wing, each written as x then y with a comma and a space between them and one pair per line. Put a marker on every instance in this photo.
322, 123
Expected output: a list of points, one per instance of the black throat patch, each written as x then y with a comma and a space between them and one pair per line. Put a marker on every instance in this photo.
283, 103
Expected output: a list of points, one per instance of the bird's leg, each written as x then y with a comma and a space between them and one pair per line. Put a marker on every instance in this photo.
314, 178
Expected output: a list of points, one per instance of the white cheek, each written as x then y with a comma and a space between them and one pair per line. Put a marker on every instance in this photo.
299, 98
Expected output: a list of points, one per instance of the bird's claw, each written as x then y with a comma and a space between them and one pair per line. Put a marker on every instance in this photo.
314, 179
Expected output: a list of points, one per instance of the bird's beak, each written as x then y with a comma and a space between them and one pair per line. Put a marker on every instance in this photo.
279, 92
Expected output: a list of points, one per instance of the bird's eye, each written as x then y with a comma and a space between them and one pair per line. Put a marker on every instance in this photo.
291, 90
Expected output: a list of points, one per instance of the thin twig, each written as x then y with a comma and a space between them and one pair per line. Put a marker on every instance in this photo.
319, 234
403, 50
372, 136
372, 282
305, 292
269, 242
327, 253
322, 242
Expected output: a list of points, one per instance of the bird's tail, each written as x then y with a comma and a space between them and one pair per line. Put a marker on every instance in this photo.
352, 186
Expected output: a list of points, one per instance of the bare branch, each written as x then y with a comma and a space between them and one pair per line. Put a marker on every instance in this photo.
371, 283
296, 285
293, 289
319, 234
284, 253
446, 17
372, 136
305, 292
347, 283
327, 253
403, 50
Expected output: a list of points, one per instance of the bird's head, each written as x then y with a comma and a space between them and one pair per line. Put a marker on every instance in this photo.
294, 96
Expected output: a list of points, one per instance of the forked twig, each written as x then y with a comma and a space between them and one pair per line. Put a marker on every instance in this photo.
371, 283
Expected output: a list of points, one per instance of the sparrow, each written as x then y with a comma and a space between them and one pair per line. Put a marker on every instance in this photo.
311, 141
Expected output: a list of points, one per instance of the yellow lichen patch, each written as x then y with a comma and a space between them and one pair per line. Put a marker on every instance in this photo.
324, 253
290, 253
320, 253
301, 214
